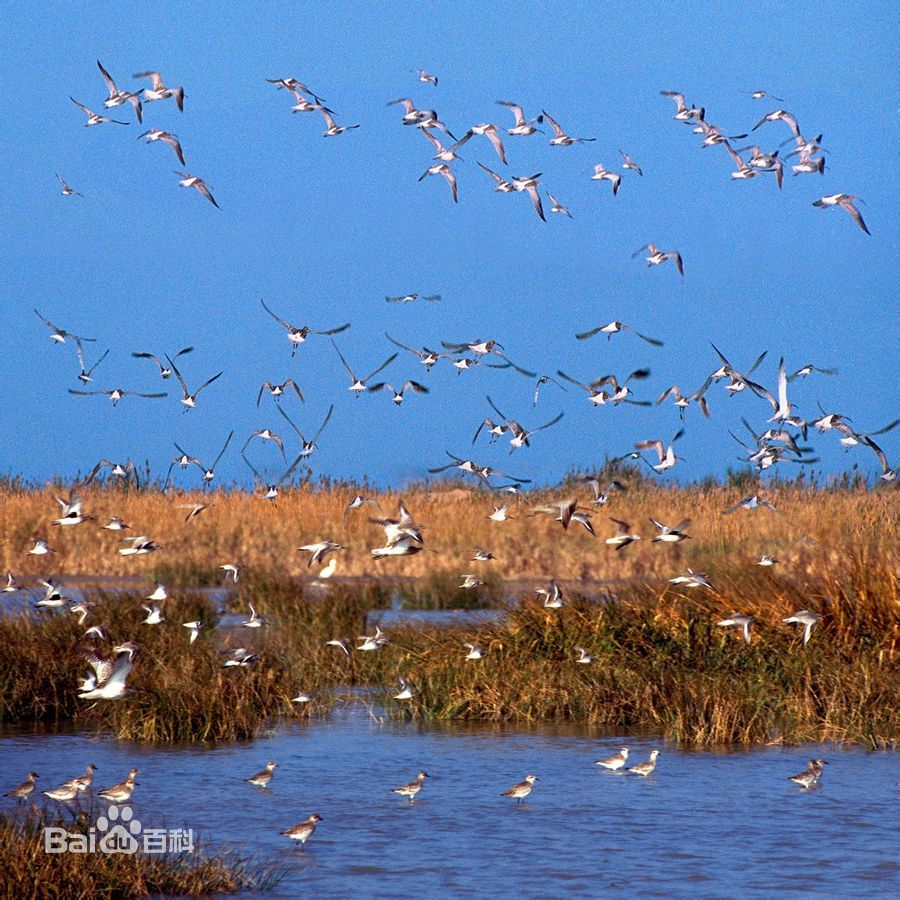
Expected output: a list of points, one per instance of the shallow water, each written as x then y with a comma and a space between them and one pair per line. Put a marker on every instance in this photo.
705, 824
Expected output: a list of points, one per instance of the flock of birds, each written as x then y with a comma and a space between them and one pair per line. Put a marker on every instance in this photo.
806, 150
122, 792
764, 448
782, 441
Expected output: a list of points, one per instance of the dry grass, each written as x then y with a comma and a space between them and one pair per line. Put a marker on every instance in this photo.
660, 661
814, 532
28, 871
181, 691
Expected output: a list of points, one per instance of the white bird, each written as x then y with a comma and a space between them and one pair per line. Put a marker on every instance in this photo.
189, 400
629, 163
117, 97
164, 371
603, 174
329, 569
684, 112
666, 454
304, 830
616, 762
116, 523
358, 385
159, 91
779, 115
500, 514
557, 207
192, 181
333, 128
60, 335
845, 202
40, 548
522, 126
444, 154
751, 504
232, 570
255, 620
318, 551
67, 190
738, 620
277, 390
157, 134
561, 139
110, 673
92, 117
309, 446
159, 593
448, 174
670, 534
373, 642
195, 509
121, 792
808, 620
491, 132
475, 652
339, 643
195, 629
140, 546
12, 586
646, 768
583, 656
154, 615
296, 335
553, 597
397, 397
266, 434
622, 538
116, 394
84, 376
71, 512
692, 579
406, 692
425, 77
657, 257
612, 328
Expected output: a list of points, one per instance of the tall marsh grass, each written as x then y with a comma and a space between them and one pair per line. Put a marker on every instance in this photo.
660, 661
28, 871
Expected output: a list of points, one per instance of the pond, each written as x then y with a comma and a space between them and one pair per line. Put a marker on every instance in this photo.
704, 824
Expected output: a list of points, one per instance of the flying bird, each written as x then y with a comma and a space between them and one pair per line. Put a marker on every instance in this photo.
157, 134
845, 202
158, 90
298, 335
657, 257
188, 181
117, 97
95, 118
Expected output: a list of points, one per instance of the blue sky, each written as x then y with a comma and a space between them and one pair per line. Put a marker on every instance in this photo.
323, 229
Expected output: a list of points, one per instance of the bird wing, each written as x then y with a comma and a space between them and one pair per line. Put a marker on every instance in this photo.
174, 368
276, 318
493, 136
110, 84
448, 174
553, 124
532, 192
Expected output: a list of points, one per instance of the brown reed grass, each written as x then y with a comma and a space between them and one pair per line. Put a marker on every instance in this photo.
28, 871
661, 663
815, 529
